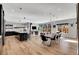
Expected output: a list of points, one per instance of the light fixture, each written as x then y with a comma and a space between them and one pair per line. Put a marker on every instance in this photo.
24, 17
20, 8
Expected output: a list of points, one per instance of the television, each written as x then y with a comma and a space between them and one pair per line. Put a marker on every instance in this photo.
33, 27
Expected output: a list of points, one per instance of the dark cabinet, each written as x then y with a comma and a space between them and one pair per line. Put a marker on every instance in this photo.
23, 36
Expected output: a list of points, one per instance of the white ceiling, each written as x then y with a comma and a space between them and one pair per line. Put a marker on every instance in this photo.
38, 12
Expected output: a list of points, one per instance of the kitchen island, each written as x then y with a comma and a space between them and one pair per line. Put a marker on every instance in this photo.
19, 35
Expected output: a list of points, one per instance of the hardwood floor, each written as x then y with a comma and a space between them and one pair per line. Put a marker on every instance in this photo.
33, 46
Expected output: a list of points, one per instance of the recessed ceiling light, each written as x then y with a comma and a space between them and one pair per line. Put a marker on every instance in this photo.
20, 8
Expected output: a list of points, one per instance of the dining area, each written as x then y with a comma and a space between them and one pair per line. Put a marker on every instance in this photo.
48, 38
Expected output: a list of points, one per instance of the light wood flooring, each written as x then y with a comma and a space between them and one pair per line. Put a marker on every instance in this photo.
34, 46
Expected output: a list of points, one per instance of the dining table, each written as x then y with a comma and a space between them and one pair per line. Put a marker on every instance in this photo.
51, 36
